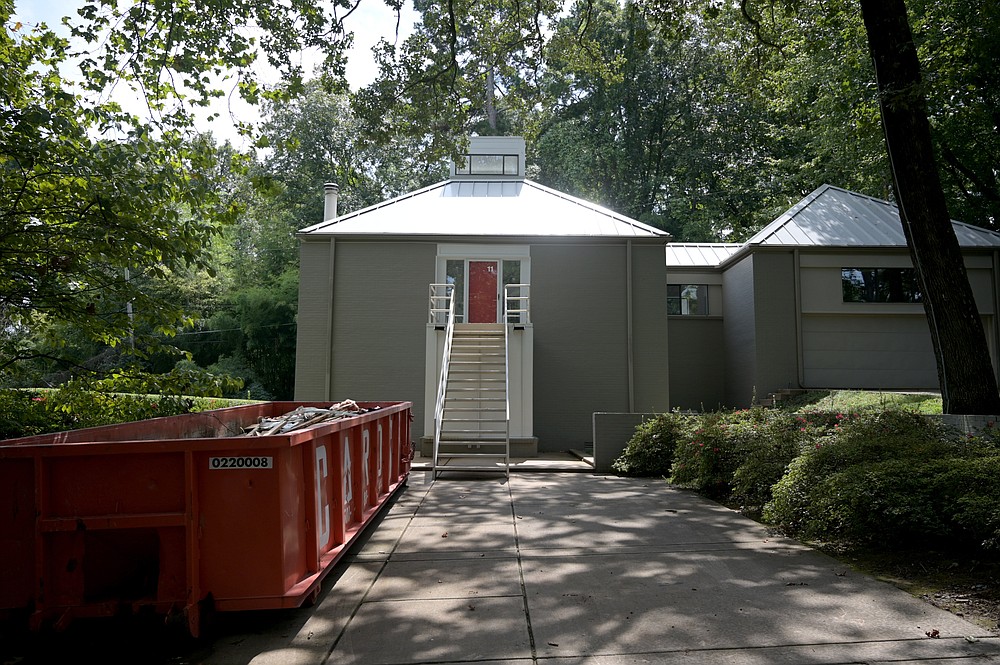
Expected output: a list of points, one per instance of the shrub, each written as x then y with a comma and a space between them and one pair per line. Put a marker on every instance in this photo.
883, 502
769, 449
650, 451
968, 490
880, 475
24, 413
737, 456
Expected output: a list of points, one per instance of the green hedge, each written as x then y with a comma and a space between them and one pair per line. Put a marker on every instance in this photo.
891, 476
875, 477
43, 411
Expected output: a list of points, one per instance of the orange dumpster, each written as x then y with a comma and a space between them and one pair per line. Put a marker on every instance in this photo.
183, 514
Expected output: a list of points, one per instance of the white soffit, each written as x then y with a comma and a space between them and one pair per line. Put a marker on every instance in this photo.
834, 217
481, 208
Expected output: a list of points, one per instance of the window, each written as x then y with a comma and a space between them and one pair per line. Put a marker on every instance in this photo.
512, 275
880, 285
687, 299
456, 276
487, 165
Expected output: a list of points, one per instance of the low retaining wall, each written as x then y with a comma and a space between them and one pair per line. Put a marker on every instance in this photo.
612, 432
970, 424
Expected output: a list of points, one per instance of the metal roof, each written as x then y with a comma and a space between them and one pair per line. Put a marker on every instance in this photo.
680, 255
480, 208
834, 217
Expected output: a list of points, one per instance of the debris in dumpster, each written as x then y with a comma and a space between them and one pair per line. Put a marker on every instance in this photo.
303, 417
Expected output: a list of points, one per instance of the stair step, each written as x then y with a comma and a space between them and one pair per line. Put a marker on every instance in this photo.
482, 456
499, 467
495, 434
474, 408
463, 455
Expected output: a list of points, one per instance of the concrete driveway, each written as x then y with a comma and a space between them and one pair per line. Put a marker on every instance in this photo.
578, 568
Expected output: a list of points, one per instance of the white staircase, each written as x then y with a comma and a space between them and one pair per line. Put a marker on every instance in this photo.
474, 433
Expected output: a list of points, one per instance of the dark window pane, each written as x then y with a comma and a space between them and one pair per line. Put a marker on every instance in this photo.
687, 299
880, 285
456, 276
510, 165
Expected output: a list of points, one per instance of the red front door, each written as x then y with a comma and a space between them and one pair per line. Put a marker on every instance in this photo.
483, 291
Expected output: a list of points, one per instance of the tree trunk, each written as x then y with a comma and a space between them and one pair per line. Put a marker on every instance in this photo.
491, 91
965, 372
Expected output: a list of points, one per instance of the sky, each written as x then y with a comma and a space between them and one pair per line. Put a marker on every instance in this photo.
370, 22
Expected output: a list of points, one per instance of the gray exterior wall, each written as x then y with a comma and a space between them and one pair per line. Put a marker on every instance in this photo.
312, 347
883, 346
787, 325
697, 362
776, 323
875, 351
379, 301
379, 323
697, 365
761, 326
650, 341
579, 311
581, 363
740, 337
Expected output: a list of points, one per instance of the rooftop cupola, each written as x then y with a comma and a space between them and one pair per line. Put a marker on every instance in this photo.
491, 158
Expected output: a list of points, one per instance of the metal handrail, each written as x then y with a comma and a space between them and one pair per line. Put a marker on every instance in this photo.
439, 303
449, 333
506, 396
517, 309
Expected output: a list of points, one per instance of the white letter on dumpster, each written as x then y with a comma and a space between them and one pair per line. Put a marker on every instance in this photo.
366, 445
348, 490
322, 500
378, 474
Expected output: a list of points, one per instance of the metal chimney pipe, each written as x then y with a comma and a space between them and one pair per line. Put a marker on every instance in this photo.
330, 191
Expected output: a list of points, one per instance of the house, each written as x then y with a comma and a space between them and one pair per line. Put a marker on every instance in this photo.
576, 310
825, 296
588, 331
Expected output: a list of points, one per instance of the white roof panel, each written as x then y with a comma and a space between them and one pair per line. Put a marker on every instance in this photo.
480, 208
834, 217
699, 254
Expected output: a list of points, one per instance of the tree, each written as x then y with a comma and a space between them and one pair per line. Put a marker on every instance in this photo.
652, 121
959, 44
469, 65
968, 384
92, 204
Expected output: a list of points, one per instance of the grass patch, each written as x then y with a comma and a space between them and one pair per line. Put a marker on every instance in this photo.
851, 401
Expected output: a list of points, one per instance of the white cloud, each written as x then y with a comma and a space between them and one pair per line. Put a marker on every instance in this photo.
370, 22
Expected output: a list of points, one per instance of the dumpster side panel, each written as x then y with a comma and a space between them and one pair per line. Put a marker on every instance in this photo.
242, 522
128, 484
17, 532
101, 520
295, 557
